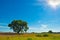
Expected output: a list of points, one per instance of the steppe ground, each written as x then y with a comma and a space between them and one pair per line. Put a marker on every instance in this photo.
30, 36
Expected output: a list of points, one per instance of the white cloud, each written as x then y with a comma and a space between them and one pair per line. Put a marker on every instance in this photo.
4, 27
44, 26
3, 24
41, 28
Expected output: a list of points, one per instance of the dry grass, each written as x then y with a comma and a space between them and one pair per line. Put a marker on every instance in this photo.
31, 36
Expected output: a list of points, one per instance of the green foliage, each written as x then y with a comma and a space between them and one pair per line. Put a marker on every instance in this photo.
45, 35
42, 35
38, 35
25, 29
18, 26
50, 31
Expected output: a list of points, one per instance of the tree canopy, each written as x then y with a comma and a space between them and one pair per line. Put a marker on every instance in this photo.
18, 26
50, 31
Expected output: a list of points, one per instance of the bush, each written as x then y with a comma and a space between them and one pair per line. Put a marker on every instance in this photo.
33, 32
38, 35
42, 35
29, 39
45, 35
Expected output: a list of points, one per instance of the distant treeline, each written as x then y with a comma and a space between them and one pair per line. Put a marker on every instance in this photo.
11, 33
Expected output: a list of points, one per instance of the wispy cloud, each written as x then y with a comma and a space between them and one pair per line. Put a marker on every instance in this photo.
4, 28
3, 25
41, 28
44, 26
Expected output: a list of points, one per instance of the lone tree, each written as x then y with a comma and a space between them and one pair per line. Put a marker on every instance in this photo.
18, 26
50, 31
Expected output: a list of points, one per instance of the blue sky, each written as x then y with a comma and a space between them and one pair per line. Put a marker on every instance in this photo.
40, 16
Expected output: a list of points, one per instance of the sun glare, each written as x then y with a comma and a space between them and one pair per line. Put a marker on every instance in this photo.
54, 3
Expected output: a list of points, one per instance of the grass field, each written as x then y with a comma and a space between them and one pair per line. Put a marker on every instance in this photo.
30, 37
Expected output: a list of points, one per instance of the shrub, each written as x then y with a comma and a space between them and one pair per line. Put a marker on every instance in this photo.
45, 35
38, 35
29, 39
33, 32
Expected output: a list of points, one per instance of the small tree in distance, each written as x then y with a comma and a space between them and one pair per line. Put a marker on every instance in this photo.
50, 31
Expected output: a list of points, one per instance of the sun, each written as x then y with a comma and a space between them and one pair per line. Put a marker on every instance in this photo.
54, 3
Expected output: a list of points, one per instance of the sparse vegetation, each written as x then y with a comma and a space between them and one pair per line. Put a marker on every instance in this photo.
42, 35
30, 37
38, 35
45, 35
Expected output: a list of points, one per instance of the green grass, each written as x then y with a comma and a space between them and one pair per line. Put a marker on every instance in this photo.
29, 37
